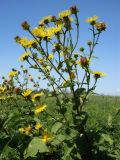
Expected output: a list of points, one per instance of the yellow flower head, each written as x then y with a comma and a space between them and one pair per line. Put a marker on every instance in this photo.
40, 109
40, 60
100, 26
57, 29
39, 77
2, 89
12, 74
23, 41
31, 78
28, 129
47, 68
37, 95
45, 20
25, 130
21, 130
38, 31
46, 137
31, 43
27, 92
24, 56
46, 33
50, 56
98, 74
38, 126
92, 20
65, 13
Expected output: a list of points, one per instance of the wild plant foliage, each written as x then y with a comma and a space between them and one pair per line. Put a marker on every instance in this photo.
52, 124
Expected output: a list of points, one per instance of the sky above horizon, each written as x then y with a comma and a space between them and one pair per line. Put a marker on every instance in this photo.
14, 12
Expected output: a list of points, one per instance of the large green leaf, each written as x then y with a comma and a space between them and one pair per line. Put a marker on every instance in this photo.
36, 145
67, 151
56, 127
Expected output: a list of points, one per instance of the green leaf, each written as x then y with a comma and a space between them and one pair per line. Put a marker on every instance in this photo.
107, 138
58, 140
36, 145
56, 127
67, 151
7, 152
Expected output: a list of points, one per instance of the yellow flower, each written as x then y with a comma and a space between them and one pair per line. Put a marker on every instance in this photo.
2, 89
31, 43
100, 26
40, 60
24, 56
21, 130
40, 109
49, 32
39, 77
12, 74
38, 31
45, 20
47, 68
50, 56
38, 126
46, 33
23, 41
31, 78
92, 19
27, 92
46, 137
28, 129
57, 29
65, 13
37, 95
98, 74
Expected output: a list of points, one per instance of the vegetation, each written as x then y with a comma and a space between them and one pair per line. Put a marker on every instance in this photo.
66, 121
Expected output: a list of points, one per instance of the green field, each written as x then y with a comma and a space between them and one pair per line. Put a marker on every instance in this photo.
102, 127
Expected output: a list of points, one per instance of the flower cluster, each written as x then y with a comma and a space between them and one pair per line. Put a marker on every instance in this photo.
100, 26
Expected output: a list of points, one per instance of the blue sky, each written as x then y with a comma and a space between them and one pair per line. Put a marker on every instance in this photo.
13, 12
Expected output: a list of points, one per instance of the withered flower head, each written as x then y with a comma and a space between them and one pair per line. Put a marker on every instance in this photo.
25, 25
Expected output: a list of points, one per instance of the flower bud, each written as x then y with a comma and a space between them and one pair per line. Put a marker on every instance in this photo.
25, 71
53, 19
21, 66
25, 25
84, 61
17, 39
89, 43
82, 49
76, 55
17, 90
74, 9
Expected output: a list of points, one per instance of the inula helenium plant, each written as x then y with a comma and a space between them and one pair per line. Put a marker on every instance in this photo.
51, 123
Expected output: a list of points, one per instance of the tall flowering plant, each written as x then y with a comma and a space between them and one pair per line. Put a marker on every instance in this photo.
66, 69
